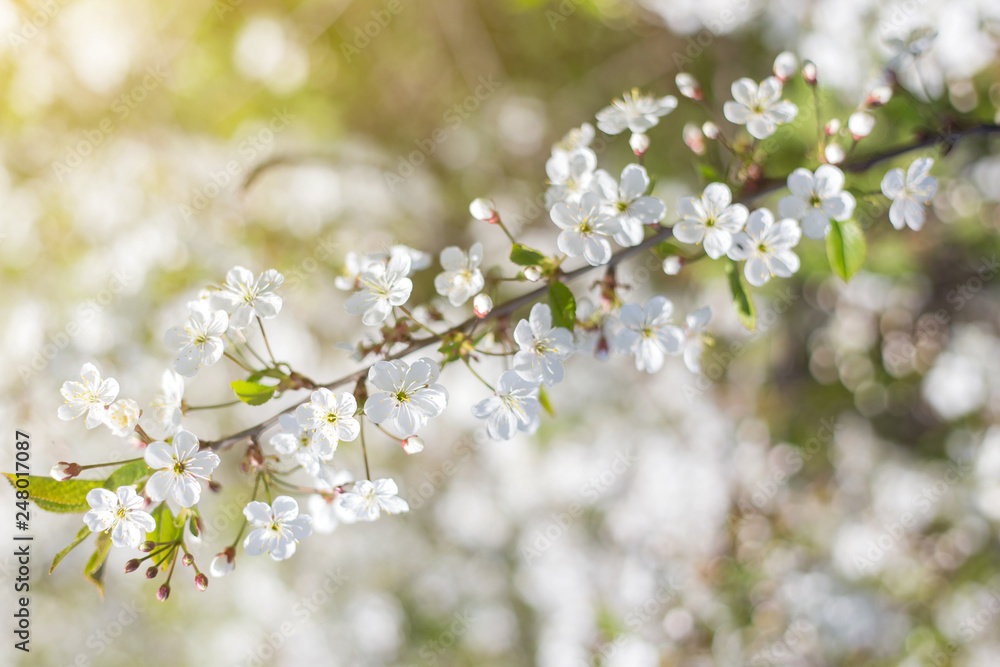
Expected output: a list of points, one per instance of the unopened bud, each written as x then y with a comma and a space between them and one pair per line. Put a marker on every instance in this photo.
785, 65
689, 86
672, 265
188, 559
132, 565
485, 210
711, 130
694, 139
482, 304
834, 154
152, 572
214, 486
860, 124
413, 445
163, 593
532, 273
147, 546
832, 127
223, 563
639, 143
603, 349
201, 581
63, 471
879, 96
809, 72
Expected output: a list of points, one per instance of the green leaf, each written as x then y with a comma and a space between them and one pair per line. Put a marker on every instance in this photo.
80, 537
543, 398
522, 255
745, 310
709, 174
52, 496
846, 248
252, 393
167, 529
127, 475
94, 570
563, 305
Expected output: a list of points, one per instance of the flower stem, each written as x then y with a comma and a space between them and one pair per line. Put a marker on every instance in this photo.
237, 362
110, 463
488, 385
364, 451
267, 344
212, 407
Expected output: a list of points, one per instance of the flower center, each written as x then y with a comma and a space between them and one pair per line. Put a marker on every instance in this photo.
402, 396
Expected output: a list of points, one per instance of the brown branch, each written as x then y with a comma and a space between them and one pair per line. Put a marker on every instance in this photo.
509, 307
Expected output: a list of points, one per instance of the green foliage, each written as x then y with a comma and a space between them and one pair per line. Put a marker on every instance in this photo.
80, 537
846, 248
522, 255
63, 497
745, 310
253, 393
94, 569
563, 305
126, 475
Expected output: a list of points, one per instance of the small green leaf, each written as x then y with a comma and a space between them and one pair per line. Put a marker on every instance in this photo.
127, 475
543, 398
522, 255
563, 305
846, 248
52, 496
166, 529
252, 393
745, 310
94, 570
80, 537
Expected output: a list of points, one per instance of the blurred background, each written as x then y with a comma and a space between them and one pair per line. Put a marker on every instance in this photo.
827, 494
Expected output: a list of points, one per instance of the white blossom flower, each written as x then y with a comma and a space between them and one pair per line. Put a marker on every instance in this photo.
92, 396
635, 112
277, 528
382, 286
766, 246
407, 395
910, 194
328, 512
628, 203
647, 333
413, 445
356, 263
785, 65
672, 265
834, 153
711, 219
243, 297
586, 227
514, 407
298, 442
570, 175
577, 138
461, 279
179, 465
198, 342
694, 340
223, 563
166, 409
367, 500
329, 419
759, 107
816, 199
120, 512
122, 417
543, 347
688, 85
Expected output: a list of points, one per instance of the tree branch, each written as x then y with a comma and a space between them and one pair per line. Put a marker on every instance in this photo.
509, 307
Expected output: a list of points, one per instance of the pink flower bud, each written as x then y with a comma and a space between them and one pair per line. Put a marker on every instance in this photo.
63, 471
711, 130
879, 96
223, 563
694, 139
485, 210
132, 565
860, 124
832, 127
188, 559
152, 572
809, 72
201, 581
147, 546
413, 445
689, 86
163, 593
639, 143
785, 65
482, 304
